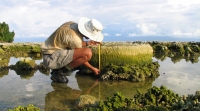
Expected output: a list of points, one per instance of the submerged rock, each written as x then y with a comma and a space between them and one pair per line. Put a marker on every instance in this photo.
86, 100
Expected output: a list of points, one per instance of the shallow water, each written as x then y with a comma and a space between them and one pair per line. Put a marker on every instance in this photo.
182, 77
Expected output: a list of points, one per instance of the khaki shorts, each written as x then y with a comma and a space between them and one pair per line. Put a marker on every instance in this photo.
58, 59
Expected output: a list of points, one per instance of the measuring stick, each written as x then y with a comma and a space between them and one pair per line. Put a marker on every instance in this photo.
99, 47
100, 57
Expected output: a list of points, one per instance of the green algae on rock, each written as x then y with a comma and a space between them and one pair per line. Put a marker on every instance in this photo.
26, 47
4, 62
122, 53
25, 67
25, 74
190, 51
18, 50
29, 107
156, 98
153, 99
3, 72
86, 100
135, 73
25, 63
124, 61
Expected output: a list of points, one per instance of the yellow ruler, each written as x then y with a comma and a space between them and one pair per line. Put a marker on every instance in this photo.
99, 66
100, 57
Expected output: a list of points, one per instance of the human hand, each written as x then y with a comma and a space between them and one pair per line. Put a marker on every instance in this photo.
95, 70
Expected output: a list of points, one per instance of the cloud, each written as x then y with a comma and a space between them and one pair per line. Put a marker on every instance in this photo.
147, 28
32, 18
180, 33
38, 35
106, 34
187, 34
197, 33
132, 34
118, 34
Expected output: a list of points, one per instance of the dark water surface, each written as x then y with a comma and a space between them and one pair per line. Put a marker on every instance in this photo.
182, 77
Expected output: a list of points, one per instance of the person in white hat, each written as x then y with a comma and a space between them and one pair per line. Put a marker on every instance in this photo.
66, 48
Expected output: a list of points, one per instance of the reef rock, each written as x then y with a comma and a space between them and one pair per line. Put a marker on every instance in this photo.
86, 100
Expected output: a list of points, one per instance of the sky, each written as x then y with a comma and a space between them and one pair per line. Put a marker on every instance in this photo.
122, 20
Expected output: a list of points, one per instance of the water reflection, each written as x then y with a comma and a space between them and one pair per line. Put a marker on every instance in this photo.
64, 96
44, 93
7, 60
176, 57
17, 91
61, 98
4, 72
22, 88
183, 77
25, 74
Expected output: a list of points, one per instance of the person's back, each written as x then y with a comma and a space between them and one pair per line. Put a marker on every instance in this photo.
65, 48
66, 36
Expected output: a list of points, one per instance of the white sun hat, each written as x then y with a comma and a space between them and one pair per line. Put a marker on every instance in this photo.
91, 28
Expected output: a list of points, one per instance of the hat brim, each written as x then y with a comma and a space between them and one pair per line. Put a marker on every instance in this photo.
81, 26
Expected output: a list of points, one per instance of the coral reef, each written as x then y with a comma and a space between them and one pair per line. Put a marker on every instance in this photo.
190, 51
135, 73
155, 99
121, 53
130, 61
29, 107
86, 100
26, 67
17, 50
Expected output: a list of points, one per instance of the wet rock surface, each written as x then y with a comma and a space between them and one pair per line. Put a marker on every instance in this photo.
130, 61
190, 51
155, 98
132, 73
18, 50
86, 100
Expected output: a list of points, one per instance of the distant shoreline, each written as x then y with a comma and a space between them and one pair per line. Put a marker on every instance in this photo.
127, 39
38, 43
21, 43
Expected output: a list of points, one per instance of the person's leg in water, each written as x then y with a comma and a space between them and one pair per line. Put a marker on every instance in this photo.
81, 55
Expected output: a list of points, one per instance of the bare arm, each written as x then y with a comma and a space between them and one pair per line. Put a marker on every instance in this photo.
95, 70
87, 64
